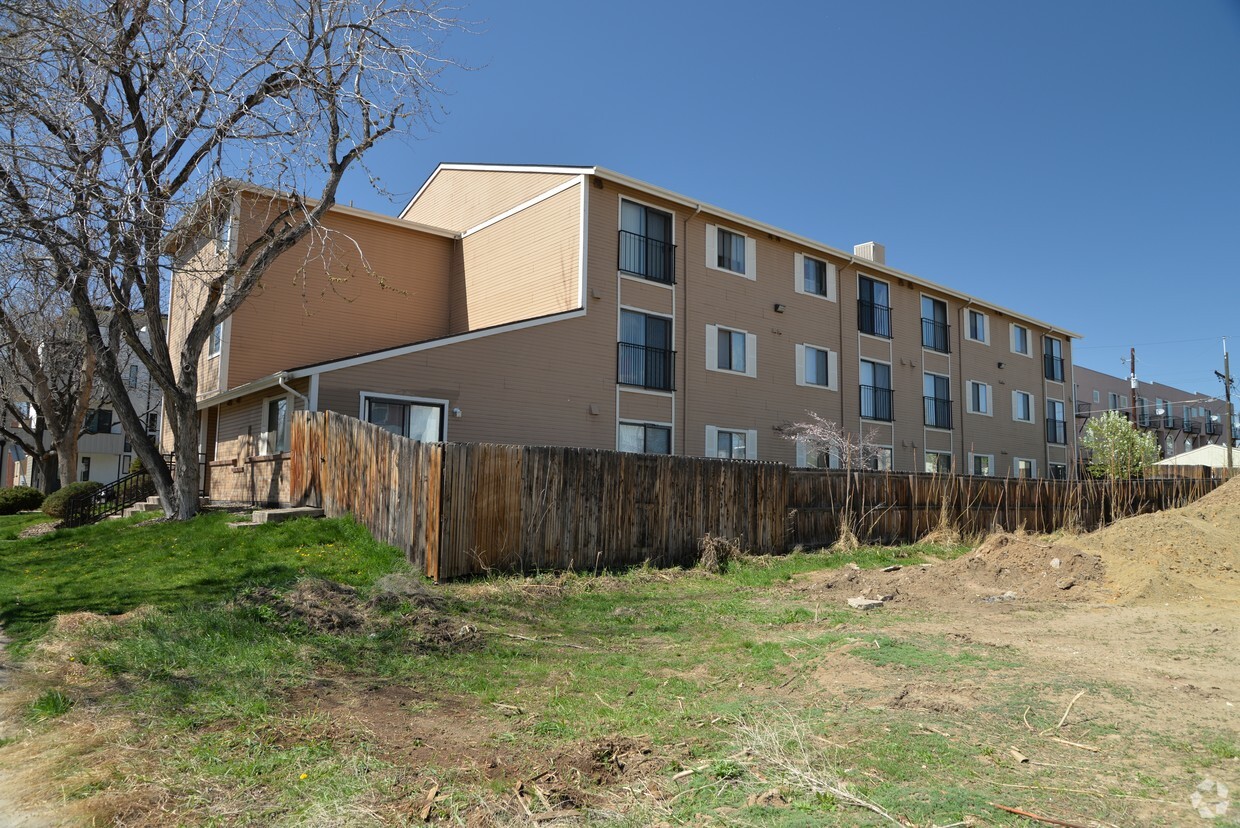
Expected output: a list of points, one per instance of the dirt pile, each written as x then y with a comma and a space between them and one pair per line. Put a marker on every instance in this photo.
1181, 554
1004, 568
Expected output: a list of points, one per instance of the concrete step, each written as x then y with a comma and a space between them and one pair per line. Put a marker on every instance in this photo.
263, 516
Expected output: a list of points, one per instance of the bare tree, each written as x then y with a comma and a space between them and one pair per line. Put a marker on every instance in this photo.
123, 124
827, 438
47, 371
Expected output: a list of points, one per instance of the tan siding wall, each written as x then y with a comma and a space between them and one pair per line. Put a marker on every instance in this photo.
461, 199
189, 289
325, 301
524, 266
241, 421
648, 408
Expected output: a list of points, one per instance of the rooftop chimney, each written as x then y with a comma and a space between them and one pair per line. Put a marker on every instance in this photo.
871, 250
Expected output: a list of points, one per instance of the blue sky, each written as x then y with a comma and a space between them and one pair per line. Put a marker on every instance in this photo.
1079, 161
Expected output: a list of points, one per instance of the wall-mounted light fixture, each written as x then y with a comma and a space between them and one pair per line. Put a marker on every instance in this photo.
779, 308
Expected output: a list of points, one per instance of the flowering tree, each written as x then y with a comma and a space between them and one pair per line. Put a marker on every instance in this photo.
829, 438
1117, 450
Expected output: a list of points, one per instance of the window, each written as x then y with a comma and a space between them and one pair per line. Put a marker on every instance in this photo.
977, 327
882, 459
646, 247
730, 350
1027, 469
873, 307
645, 356
876, 391
1097, 397
98, 421
275, 431
1113, 401
1056, 428
85, 469
1020, 340
411, 417
217, 340
937, 401
152, 422
736, 444
132, 379
1022, 407
809, 457
1052, 359
979, 398
938, 462
1059, 471
814, 276
982, 465
935, 332
644, 438
731, 251
817, 366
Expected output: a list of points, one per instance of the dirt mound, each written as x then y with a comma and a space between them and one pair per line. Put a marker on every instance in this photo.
1004, 568
1181, 554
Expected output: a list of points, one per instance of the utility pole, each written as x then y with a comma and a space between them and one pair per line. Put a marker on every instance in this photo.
1231, 414
1132, 382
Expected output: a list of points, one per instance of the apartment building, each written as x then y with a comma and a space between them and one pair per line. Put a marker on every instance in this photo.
577, 306
1181, 420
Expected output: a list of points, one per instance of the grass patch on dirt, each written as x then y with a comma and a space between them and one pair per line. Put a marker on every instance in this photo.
299, 674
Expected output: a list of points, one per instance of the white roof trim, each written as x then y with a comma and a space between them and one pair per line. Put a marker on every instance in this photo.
254, 386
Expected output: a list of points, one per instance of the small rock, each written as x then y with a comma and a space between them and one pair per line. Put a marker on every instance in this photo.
1054, 563
1065, 583
886, 598
893, 568
864, 603
851, 565
866, 592
997, 599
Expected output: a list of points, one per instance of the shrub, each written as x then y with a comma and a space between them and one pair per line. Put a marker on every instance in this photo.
54, 505
19, 499
136, 466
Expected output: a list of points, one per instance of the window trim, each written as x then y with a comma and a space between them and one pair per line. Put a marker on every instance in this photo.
798, 277
671, 434
985, 340
620, 226
972, 466
990, 399
712, 351
802, 461
890, 327
890, 455
365, 396
926, 454
1033, 401
712, 252
1016, 471
215, 346
264, 449
712, 441
833, 367
1012, 326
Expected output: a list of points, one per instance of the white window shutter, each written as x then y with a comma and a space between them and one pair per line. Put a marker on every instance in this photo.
1012, 337
712, 348
802, 454
798, 272
800, 367
751, 258
831, 281
751, 355
1033, 408
751, 444
712, 246
712, 441
833, 371
1015, 400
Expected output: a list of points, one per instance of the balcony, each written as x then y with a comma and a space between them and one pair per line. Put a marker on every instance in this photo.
876, 403
873, 319
1170, 423
1052, 367
1213, 428
1192, 427
646, 367
936, 335
938, 412
1082, 410
1057, 432
648, 258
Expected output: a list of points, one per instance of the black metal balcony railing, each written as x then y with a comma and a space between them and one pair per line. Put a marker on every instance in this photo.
1056, 432
646, 367
936, 335
1170, 423
1212, 427
1082, 409
1191, 427
1143, 419
1235, 432
876, 403
646, 257
1052, 367
938, 412
873, 319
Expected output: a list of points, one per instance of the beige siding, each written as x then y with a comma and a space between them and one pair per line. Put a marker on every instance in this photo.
646, 408
461, 199
190, 277
358, 286
524, 266
241, 420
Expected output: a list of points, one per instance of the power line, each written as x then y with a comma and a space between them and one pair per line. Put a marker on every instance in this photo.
1143, 344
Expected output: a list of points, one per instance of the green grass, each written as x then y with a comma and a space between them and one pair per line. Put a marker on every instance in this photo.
113, 567
50, 705
10, 525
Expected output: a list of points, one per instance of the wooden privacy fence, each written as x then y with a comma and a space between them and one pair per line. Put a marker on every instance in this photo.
891, 507
464, 508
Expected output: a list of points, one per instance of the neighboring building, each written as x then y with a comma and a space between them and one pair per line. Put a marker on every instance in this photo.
575, 306
1182, 420
1213, 455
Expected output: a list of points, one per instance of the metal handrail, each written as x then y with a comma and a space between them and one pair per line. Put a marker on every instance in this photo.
1052, 367
645, 367
936, 335
1056, 432
876, 403
112, 499
647, 257
873, 319
938, 412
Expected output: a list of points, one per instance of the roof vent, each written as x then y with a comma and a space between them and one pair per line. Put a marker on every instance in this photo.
871, 250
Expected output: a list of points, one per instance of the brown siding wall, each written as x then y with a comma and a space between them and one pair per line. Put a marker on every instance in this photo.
524, 266
324, 299
241, 421
458, 200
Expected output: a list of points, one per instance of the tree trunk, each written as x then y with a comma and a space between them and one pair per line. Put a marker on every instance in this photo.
67, 459
185, 446
43, 473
